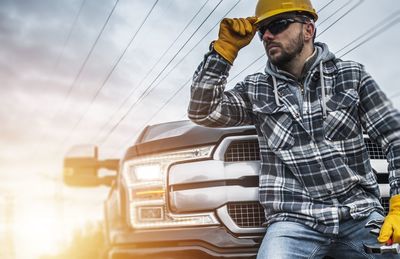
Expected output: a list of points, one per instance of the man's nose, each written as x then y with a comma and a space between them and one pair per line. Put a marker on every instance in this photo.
267, 35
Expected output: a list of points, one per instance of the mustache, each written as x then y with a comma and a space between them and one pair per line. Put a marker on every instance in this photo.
269, 44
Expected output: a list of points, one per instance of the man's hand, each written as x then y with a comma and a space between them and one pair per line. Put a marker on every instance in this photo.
391, 226
234, 34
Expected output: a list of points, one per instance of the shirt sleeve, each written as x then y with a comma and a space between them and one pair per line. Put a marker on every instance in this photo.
382, 122
210, 105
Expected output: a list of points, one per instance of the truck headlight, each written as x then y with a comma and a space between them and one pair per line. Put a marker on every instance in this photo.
145, 180
146, 173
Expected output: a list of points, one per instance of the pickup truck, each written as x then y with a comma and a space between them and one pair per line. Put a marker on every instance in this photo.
185, 191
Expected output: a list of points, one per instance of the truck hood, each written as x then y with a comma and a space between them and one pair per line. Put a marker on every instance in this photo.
179, 135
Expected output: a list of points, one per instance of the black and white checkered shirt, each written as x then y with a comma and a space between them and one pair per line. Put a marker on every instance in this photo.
311, 164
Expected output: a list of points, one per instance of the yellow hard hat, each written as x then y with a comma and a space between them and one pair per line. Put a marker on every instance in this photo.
268, 8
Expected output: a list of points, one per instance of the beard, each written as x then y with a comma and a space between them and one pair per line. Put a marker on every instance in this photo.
294, 48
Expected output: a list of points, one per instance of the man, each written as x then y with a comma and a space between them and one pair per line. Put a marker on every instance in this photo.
310, 110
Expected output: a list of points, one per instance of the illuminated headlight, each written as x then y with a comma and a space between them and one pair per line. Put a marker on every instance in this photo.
145, 179
145, 173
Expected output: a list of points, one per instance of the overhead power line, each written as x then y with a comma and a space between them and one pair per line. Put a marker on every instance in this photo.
149, 72
180, 61
333, 13
325, 6
59, 57
157, 112
127, 47
149, 87
247, 67
83, 65
112, 69
187, 54
342, 16
61, 54
190, 51
158, 75
71, 29
81, 68
373, 32
57, 113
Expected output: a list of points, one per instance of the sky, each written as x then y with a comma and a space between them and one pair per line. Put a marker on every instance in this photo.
98, 71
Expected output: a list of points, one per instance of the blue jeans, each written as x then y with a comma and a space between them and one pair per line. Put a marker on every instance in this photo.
288, 240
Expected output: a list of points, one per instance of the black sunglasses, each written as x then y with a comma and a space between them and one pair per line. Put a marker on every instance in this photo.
277, 26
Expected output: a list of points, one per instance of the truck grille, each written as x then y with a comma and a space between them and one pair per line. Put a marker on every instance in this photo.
243, 150
248, 150
251, 214
247, 214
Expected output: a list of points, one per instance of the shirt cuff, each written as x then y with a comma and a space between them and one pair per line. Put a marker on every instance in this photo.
394, 187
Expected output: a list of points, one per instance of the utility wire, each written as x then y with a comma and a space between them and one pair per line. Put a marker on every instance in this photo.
151, 86
129, 44
61, 54
180, 61
71, 29
113, 69
140, 97
83, 65
190, 51
334, 12
248, 66
326, 5
59, 57
149, 72
379, 32
342, 16
56, 114
158, 111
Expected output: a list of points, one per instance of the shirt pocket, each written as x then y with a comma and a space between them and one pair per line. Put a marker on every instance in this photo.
275, 123
342, 121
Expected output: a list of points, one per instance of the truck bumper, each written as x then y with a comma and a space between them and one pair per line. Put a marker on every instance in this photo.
208, 242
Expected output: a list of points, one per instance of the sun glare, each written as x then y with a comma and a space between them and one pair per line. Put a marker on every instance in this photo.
37, 230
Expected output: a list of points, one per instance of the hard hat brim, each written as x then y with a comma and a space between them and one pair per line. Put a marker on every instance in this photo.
275, 12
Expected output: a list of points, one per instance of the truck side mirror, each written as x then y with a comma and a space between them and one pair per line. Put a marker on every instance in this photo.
81, 167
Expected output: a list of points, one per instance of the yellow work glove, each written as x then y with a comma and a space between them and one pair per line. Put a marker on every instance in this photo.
234, 34
391, 226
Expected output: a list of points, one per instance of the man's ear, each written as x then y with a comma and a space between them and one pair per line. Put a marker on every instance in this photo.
309, 31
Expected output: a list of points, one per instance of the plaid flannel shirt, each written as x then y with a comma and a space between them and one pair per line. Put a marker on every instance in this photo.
310, 165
